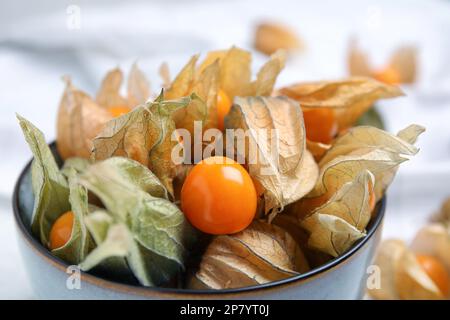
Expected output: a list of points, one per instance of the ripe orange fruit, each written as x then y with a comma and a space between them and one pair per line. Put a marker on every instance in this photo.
218, 196
320, 124
436, 271
223, 107
118, 111
61, 230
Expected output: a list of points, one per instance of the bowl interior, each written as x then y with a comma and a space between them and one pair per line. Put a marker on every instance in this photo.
23, 202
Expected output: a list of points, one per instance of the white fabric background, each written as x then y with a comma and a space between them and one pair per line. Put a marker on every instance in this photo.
37, 48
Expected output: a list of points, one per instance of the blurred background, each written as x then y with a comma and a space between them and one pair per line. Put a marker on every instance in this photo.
40, 41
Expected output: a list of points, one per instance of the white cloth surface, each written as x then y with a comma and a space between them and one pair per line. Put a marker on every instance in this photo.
37, 48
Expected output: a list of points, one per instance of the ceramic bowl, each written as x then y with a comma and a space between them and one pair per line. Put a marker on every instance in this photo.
51, 278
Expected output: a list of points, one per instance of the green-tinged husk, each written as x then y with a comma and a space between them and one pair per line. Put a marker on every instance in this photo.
154, 234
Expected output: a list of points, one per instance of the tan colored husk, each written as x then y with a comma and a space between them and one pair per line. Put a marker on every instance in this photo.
138, 87
403, 62
412, 282
434, 240
361, 148
235, 72
205, 84
260, 254
336, 225
402, 277
109, 93
349, 98
227, 70
276, 154
79, 121
387, 259
164, 73
358, 61
80, 118
270, 37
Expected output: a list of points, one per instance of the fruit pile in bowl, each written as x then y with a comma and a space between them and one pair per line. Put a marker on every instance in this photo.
218, 181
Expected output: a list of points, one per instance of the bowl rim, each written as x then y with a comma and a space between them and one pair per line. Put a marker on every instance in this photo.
138, 290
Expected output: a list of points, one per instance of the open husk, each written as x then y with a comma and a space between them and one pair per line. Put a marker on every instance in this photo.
434, 240
361, 148
349, 98
387, 260
401, 67
402, 276
412, 282
81, 118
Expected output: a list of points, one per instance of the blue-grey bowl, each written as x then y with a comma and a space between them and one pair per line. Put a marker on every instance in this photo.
342, 278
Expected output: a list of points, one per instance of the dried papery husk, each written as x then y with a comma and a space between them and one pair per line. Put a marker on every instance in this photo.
344, 169
412, 282
267, 75
367, 137
270, 37
138, 87
260, 254
164, 73
236, 73
183, 82
228, 70
387, 259
434, 240
351, 202
276, 153
349, 98
404, 62
358, 61
361, 148
144, 135
109, 93
331, 234
401, 274
335, 226
80, 119
205, 85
